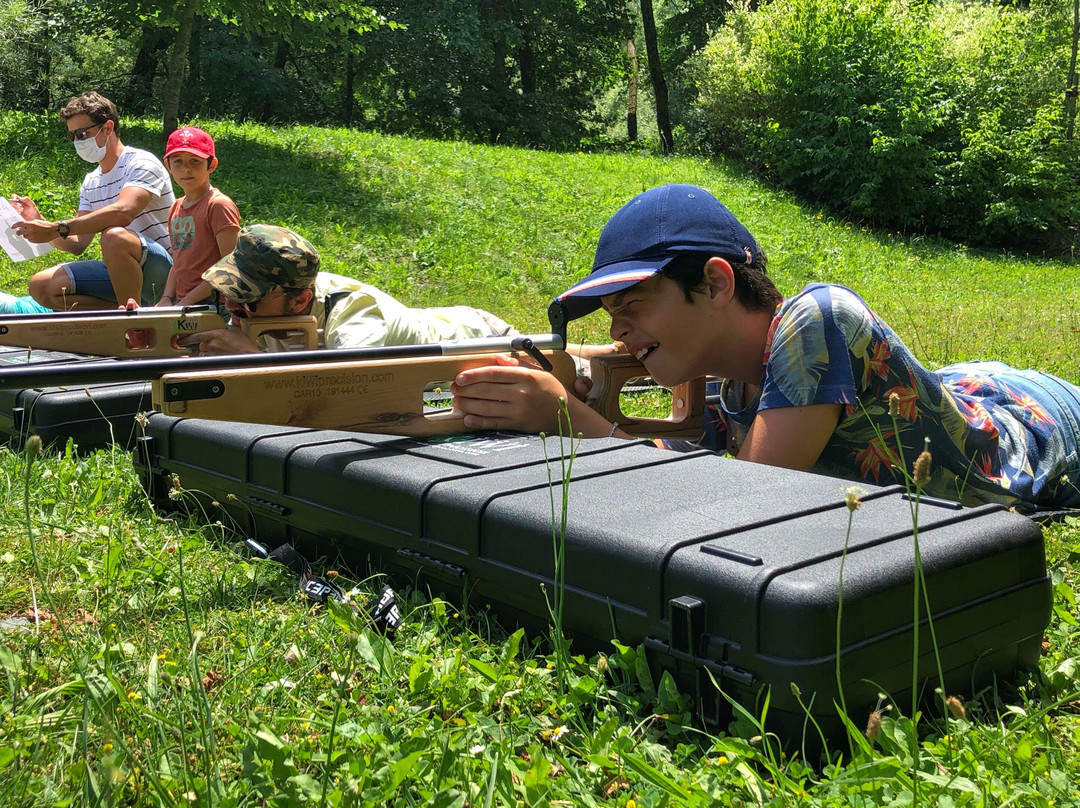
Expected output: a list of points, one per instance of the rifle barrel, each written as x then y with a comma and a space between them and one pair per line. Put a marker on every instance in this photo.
77, 373
85, 314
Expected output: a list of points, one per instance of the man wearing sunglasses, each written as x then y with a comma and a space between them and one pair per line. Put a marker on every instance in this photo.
274, 272
126, 199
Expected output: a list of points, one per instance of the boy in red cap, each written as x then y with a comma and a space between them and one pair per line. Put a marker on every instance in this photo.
203, 223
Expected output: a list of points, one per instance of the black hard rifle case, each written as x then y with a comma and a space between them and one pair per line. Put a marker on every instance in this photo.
91, 415
724, 570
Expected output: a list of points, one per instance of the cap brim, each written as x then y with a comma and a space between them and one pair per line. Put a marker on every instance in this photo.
234, 283
584, 296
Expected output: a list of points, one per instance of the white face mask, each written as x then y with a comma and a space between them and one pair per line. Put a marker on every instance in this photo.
89, 150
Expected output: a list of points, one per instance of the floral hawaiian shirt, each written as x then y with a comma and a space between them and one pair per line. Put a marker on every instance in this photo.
995, 434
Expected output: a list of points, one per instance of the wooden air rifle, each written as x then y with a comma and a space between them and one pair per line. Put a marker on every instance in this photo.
362, 389
135, 333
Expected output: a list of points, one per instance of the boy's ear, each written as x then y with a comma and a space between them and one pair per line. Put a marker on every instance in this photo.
211, 165
719, 280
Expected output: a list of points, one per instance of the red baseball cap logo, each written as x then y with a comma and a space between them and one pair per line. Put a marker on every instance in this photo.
190, 139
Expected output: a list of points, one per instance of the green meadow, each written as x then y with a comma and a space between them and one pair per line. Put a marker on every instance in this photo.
145, 660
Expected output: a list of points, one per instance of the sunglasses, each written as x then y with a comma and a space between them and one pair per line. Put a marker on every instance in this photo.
251, 307
83, 133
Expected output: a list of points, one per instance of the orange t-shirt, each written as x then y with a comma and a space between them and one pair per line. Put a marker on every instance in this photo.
193, 236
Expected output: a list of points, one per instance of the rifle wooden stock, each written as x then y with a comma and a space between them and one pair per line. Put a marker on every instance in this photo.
611, 372
110, 333
362, 389
283, 328
388, 396
354, 396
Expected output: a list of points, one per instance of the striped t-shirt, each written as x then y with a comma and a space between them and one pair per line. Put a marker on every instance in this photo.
141, 169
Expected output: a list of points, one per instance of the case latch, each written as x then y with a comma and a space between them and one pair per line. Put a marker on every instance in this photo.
687, 623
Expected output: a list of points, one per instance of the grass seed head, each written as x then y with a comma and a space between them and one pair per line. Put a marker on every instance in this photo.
873, 725
853, 498
956, 708
922, 469
894, 405
33, 446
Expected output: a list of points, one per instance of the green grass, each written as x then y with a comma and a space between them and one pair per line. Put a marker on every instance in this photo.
159, 669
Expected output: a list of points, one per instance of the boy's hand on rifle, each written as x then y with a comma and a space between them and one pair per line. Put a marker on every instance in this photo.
219, 341
513, 395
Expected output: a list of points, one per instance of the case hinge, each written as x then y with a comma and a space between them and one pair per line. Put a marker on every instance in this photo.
442, 568
266, 506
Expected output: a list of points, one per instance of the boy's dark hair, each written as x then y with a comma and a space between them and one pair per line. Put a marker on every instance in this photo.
99, 108
753, 288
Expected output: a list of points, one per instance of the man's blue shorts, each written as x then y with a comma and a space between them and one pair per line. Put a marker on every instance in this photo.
92, 278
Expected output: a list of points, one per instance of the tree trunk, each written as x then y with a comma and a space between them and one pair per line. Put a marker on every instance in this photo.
38, 97
141, 91
348, 101
656, 73
631, 92
632, 85
281, 61
194, 54
527, 64
178, 56
1071, 87
495, 18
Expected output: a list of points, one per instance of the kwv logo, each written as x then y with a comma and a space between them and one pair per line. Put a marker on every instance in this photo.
187, 325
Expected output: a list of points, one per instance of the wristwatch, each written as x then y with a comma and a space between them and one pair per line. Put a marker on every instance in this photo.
63, 229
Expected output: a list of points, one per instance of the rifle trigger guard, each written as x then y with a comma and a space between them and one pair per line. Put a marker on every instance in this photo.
192, 391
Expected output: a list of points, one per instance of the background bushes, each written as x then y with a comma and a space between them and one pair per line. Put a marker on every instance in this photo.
944, 118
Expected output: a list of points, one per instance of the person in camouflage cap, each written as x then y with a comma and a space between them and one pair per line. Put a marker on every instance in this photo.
265, 257
274, 272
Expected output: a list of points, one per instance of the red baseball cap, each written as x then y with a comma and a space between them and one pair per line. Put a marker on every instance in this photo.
190, 139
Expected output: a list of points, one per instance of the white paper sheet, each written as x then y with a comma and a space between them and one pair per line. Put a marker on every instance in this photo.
17, 248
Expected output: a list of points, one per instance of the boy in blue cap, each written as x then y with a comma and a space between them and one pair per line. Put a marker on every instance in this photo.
814, 382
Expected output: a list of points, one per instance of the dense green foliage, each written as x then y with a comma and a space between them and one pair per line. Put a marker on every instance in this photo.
945, 118
520, 72
149, 662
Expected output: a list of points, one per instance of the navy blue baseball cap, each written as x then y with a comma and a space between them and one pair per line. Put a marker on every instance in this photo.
648, 233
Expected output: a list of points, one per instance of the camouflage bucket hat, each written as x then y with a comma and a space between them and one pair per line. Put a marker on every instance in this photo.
265, 257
